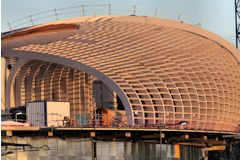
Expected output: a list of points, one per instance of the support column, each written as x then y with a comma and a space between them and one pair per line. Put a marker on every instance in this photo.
94, 149
10, 80
3, 82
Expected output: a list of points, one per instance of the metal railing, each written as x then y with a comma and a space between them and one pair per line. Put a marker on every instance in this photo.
88, 120
90, 10
76, 120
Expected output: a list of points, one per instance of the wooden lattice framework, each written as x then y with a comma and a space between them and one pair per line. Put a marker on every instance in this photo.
165, 71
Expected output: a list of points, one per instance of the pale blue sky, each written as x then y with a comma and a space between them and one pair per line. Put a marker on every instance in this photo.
215, 15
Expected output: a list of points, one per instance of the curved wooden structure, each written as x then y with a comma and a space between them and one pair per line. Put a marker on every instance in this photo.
163, 71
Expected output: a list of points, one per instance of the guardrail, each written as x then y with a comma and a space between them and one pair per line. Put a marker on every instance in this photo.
76, 120
88, 120
89, 10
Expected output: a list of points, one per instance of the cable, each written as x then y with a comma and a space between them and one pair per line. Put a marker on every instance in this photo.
41, 147
24, 147
6, 153
15, 144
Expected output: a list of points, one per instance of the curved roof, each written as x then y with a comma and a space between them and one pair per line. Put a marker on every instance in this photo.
164, 71
73, 23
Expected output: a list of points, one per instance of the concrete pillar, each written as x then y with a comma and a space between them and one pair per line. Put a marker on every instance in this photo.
9, 133
115, 101
10, 78
3, 83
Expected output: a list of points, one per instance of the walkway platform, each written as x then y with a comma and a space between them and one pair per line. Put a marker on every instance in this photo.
36, 128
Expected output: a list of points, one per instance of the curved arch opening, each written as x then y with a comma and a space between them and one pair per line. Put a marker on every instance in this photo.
109, 83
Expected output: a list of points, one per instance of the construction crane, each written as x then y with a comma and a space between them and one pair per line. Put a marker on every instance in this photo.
237, 22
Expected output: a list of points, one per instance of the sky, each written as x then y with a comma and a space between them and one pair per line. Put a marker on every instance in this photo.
216, 16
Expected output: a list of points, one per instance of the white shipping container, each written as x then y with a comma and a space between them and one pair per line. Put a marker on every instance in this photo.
47, 113
36, 113
56, 111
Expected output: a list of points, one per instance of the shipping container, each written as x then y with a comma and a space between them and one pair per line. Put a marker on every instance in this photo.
47, 113
36, 113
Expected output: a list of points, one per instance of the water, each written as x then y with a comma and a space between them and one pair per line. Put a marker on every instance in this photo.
83, 149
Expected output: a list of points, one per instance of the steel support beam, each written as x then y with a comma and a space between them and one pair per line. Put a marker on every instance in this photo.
237, 22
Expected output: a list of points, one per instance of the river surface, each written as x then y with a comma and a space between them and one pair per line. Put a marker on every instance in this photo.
45, 148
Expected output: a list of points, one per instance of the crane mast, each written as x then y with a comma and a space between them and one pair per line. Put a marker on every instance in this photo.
237, 22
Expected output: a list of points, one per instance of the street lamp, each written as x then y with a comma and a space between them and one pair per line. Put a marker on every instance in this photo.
19, 113
165, 125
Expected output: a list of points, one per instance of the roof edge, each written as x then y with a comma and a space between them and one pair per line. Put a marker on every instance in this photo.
72, 23
189, 28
